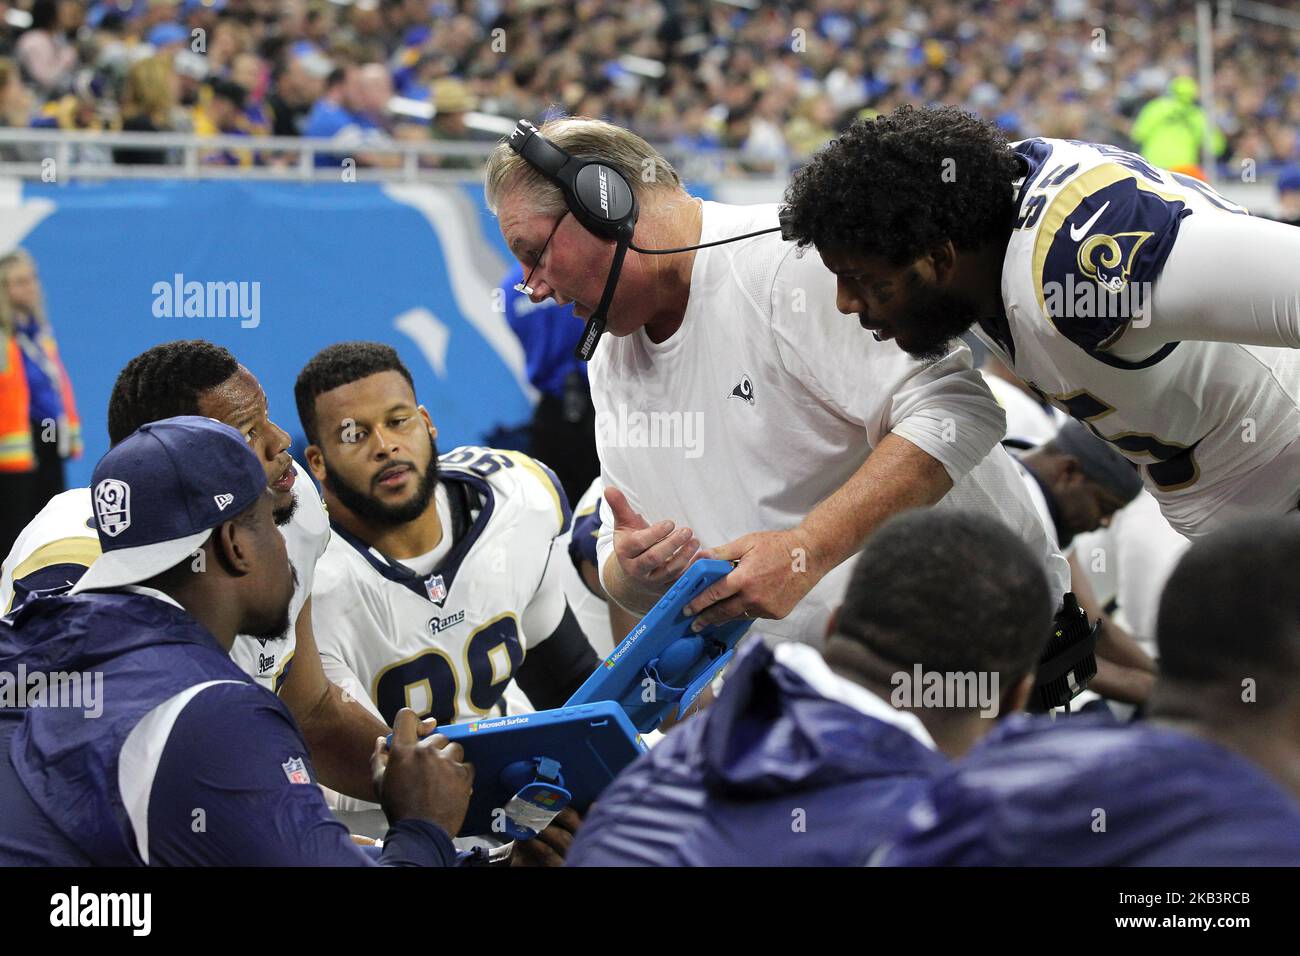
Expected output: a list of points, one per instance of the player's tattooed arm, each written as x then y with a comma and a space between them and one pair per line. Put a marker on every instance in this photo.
339, 731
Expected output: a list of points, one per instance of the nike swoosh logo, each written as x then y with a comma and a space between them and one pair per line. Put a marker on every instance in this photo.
1077, 232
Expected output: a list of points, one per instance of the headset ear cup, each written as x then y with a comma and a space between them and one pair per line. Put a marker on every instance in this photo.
603, 201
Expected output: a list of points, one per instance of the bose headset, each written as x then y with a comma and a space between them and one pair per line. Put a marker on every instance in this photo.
603, 202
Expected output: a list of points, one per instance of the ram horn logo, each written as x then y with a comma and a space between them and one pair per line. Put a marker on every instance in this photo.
113, 506
744, 390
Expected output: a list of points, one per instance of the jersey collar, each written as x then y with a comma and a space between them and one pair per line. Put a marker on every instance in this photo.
461, 489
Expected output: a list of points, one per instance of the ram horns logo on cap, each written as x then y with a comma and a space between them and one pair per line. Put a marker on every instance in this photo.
113, 506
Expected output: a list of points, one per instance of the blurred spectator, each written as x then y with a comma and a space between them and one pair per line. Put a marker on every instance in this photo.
39, 426
452, 103
148, 106
1288, 196
709, 75
815, 759
47, 57
354, 113
15, 111
564, 421
298, 85
1171, 129
224, 115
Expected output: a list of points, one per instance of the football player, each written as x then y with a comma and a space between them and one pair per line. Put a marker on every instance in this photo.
1137, 300
1209, 778
194, 377
440, 586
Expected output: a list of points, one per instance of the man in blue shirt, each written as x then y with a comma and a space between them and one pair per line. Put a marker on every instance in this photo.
353, 114
1212, 778
127, 734
812, 760
564, 422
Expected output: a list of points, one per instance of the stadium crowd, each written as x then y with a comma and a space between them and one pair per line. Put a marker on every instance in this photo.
770, 81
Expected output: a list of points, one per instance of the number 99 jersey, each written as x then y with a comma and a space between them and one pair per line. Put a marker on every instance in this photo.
447, 644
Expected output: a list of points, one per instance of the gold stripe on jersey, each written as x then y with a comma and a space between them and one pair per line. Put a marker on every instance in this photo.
379, 675
275, 680
498, 676
81, 550
532, 467
1066, 202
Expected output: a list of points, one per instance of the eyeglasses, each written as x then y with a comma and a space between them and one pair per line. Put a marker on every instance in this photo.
526, 286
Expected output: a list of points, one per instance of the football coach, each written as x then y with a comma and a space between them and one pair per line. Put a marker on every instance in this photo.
734, 407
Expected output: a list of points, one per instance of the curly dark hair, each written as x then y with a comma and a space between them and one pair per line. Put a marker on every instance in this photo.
899, 185
338, 365
165, 381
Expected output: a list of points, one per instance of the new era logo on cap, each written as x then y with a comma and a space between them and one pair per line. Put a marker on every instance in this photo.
223, 501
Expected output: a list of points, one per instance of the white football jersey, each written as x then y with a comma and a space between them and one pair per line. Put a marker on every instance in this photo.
448, 643
591, 610
61, 542
1213, 425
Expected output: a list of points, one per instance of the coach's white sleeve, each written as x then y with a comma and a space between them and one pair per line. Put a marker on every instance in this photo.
943, 408
1228, 278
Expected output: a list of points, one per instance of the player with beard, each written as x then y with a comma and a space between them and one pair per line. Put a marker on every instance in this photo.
1137, 300
194, 377
438, 588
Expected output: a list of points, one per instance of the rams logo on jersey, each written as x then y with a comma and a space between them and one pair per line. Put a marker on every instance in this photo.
1101, 243
1109, 259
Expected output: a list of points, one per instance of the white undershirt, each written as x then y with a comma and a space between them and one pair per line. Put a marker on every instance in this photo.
423, 564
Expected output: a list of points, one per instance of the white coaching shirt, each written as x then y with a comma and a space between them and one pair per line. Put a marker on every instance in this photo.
767, 400
62, 536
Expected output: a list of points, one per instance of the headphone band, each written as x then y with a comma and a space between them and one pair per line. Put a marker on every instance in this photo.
604, 202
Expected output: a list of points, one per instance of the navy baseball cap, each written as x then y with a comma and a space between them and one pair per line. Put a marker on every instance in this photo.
158, 494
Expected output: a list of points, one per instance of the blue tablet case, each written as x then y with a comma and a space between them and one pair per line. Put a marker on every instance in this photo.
528, 764
661, 667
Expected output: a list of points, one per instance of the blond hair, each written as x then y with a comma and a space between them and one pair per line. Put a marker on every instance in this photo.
640, 163
148, 91
8, 262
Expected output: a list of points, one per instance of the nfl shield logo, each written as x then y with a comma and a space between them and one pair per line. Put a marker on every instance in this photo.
113, 506
296, 770
436, 590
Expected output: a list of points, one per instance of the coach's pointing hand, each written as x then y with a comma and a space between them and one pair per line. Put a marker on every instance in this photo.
648, 557
774, 573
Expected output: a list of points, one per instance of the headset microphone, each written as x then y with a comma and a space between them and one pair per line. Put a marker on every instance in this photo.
602, 200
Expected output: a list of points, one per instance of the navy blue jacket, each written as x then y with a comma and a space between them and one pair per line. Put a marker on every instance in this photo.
1037, 794
179, 758
772, 774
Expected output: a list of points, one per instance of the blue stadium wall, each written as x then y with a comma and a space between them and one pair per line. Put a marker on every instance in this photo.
411, 265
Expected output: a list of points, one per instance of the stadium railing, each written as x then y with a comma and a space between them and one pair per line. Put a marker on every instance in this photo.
87, 154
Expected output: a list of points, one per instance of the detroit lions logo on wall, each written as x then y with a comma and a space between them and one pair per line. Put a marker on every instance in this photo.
113, 506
